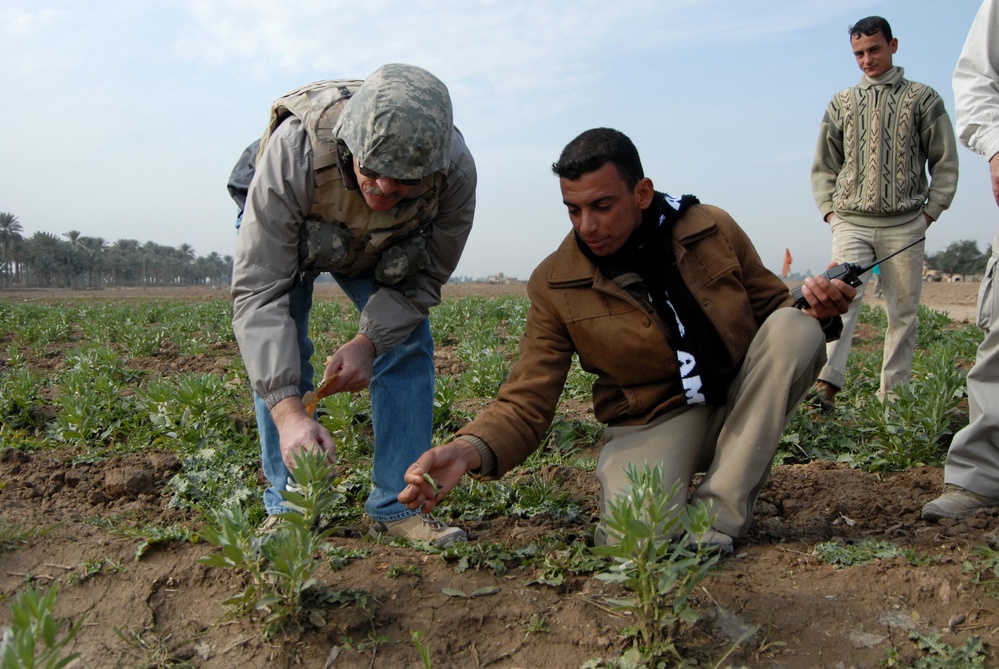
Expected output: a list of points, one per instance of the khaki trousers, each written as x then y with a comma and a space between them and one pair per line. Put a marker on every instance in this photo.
901, 285
973, 457
734, 444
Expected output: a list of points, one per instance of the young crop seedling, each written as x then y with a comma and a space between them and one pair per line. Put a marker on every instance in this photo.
649, 534
281, 562
420, 643
537, 625
397, 570
939, 655
337, 557
841, 554
33, 639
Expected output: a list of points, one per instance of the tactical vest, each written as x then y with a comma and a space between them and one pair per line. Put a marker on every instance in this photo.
342, 234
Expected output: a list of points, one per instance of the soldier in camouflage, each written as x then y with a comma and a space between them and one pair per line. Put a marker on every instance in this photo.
370, 181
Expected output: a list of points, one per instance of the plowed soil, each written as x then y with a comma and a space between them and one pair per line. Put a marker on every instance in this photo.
807, 612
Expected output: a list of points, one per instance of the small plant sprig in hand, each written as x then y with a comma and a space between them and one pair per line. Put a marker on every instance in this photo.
432, 482
649, 534
281, 563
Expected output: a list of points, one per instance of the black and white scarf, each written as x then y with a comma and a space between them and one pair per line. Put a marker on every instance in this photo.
646, 267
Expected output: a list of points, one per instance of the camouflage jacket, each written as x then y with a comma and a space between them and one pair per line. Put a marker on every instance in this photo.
283, 196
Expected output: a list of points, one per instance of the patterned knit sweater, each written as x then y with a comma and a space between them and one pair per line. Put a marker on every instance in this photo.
876, 141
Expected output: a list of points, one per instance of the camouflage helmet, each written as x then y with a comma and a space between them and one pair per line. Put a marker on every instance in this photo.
399, 122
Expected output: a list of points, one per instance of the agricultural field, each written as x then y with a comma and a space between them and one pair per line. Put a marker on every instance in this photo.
129, 490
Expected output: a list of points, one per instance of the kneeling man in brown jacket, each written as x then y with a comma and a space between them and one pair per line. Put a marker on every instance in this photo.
699, 354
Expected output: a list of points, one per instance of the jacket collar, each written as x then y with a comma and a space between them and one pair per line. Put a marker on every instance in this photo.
570, 268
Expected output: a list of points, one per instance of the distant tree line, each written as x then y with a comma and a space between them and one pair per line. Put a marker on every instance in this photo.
78, 261
963, 257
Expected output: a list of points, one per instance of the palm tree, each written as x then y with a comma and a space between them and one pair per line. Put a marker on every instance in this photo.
94, 252
73, 263
10, 235
160, 263
218, 268
46, 255
125, 262
73, 236
186, 258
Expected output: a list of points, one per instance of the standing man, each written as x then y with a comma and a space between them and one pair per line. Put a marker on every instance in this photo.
700, 358
371, 182
971, 475
876, 141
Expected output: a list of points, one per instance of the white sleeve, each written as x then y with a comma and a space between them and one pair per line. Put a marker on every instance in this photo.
976, 83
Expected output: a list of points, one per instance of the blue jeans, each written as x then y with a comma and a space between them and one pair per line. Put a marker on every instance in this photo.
402, 402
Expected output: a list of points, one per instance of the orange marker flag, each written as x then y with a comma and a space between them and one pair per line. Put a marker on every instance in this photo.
786, 270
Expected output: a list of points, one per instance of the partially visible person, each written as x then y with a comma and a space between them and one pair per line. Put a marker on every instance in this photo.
876, 142
971, 474
699, 356
369, 181
239, 179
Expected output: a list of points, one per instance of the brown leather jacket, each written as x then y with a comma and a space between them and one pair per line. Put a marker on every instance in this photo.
576, 309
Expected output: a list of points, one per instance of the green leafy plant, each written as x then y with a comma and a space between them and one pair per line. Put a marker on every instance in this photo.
185, 408
907, 430
94, 409
479, 555
420, 643
655, 555
448, 417
542, 494
397, 570
33, 640
939, 655
20, 393
984, 568
559, 561
152, 536
281, 563
337, 557
216, 476
841, 554
348, 418
475, 500
537, 624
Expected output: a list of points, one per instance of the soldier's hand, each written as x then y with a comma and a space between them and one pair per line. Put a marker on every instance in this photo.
353, 364
298, 431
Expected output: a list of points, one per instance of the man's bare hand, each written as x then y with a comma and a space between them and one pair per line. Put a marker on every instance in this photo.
352, 364
444, 465
827, 298
299, 432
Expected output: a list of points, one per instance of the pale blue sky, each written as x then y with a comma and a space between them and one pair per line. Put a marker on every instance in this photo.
123, 118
